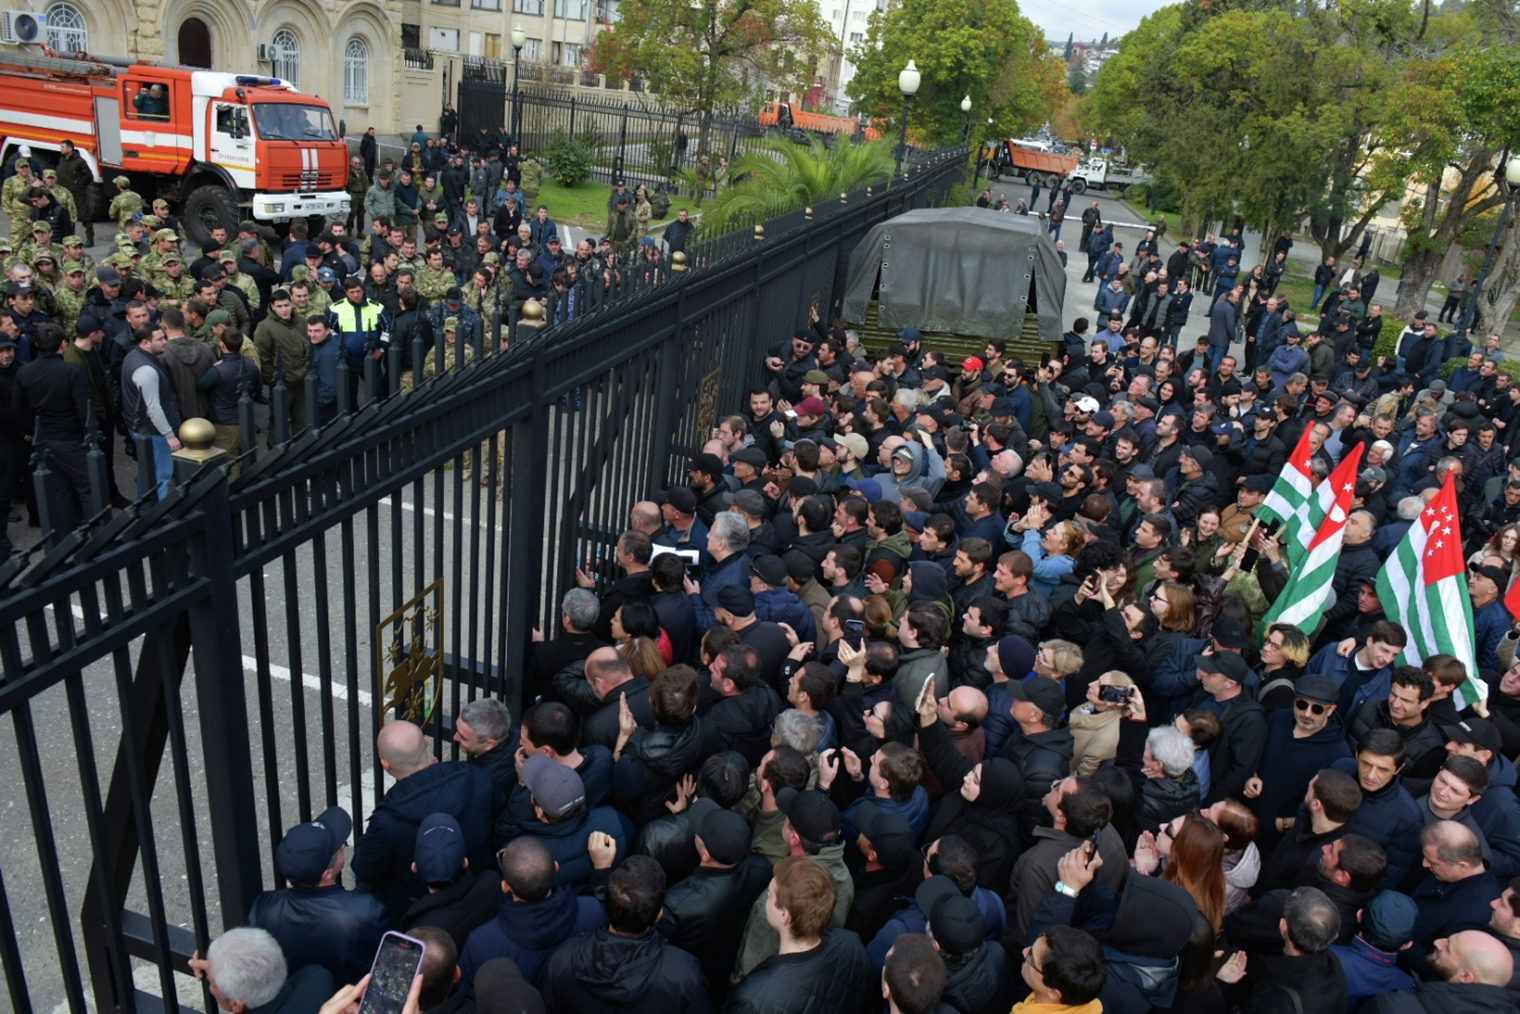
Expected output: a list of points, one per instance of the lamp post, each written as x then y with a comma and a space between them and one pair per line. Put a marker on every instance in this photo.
965, 118
519, 40
1511, 184
908, 80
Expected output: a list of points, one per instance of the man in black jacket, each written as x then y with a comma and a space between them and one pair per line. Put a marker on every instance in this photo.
1236, 755
1472, 970
627, 967
1306, 976
487, 738
458, 900
52, 400
818, 970
699, 911
316, 920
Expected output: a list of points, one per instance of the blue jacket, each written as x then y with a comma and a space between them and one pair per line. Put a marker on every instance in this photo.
1414, 458
912, 920
1288, 765
1497, 813
1329, 662
1451, 908
781, 606
328, 926
1369, 971
716, 577
382, 862
1391, 818
322, 363
1489, 624
1048, 570
914, 809
529, 931
567, 841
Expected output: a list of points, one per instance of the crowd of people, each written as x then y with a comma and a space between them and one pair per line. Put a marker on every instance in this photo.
162, 330
941, 687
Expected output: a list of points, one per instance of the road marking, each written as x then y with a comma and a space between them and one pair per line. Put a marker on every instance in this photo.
310, 682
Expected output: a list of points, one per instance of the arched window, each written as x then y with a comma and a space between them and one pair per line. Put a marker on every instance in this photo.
287, 57
356, 72
65, 28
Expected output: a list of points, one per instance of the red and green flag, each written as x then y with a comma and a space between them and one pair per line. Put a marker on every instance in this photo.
1302, 601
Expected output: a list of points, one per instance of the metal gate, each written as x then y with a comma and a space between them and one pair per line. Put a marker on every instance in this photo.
482, 96
393, 562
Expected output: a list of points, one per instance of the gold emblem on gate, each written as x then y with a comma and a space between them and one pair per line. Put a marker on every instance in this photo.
409, 673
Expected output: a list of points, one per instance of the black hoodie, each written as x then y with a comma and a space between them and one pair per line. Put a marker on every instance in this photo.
606, 972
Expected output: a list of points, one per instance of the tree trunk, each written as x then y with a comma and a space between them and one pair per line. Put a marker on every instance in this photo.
1501, 291
1420, 273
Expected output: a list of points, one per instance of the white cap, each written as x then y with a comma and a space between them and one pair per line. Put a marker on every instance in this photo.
26, 151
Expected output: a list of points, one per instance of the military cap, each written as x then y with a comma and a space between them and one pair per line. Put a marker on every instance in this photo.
44, 255
171, 258
151, 222
122, 181
50, 174
166, 234
72, 241
227, 256
451, 324
41, 227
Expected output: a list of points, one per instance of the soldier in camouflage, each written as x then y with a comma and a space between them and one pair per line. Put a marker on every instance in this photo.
126, 204
173, 282
165, 242
326, 291
434, 280
60, 193
161, 212
41, 243
70, 297
15, 200
244, 281
74, 253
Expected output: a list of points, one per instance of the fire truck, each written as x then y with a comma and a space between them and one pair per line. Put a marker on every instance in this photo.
219, 147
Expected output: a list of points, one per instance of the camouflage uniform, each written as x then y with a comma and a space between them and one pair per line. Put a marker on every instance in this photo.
60, 194
623, 229
37, 248
126, 203
229, 260
152, 263
172, 291
432, 284
15, 201
70, 303
75, 243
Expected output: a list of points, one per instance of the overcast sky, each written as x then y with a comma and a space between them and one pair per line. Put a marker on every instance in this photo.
1089, 19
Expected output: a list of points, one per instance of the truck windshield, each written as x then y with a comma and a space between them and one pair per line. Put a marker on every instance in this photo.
285, 121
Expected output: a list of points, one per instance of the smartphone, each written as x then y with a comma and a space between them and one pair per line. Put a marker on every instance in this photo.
1115, 695
390, 977
1249, 558
854, 633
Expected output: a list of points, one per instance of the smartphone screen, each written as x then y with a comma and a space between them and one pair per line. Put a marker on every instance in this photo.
1114, 695
396, 965
854, 633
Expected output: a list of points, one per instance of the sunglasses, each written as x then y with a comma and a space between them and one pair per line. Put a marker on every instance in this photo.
1312, 707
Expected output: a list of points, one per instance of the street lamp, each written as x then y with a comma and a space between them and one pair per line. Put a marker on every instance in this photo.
519, 40
908, 80
965, 118
1512, 183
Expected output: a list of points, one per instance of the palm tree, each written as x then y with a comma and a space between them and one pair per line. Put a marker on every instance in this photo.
786, 175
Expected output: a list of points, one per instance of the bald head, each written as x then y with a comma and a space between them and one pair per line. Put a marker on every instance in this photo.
1474, 956
606, 670
969, 705
645, 517
402, 748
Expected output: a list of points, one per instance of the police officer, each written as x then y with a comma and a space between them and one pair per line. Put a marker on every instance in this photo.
15, 452
52, 399
363, 327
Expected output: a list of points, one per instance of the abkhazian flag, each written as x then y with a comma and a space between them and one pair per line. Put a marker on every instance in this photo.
1423, 586
1302, 602
1288, 500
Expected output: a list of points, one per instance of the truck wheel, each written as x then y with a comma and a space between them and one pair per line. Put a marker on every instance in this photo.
99, 203
209, 206
1079, 186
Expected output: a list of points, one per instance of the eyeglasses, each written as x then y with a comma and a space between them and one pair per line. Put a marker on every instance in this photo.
1312, 707
1029, 960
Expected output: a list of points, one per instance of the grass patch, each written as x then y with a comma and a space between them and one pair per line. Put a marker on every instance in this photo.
584, 205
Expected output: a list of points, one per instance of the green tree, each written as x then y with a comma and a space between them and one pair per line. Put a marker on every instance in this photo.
1104, 43
788, 176
1070, 37
1076, 79
982, 48
707, 54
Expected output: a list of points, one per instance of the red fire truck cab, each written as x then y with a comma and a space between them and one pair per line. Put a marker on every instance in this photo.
221, 147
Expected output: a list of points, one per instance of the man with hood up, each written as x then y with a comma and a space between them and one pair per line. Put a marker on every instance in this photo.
913, 465
1150, 921
978, 975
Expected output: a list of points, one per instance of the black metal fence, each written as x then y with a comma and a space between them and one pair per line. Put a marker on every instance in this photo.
392, 562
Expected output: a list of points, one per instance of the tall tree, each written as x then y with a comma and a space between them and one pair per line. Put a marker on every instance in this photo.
982, 48
706, 54
1104, 43
1076, 79
1070, 36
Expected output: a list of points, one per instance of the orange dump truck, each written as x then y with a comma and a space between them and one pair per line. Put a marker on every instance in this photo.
798, 124
1010, 159
223, 147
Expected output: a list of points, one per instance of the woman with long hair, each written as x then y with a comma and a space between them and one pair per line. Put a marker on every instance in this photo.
1242, 860
1505, 544
641, 642
1193, 847
1175, 607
